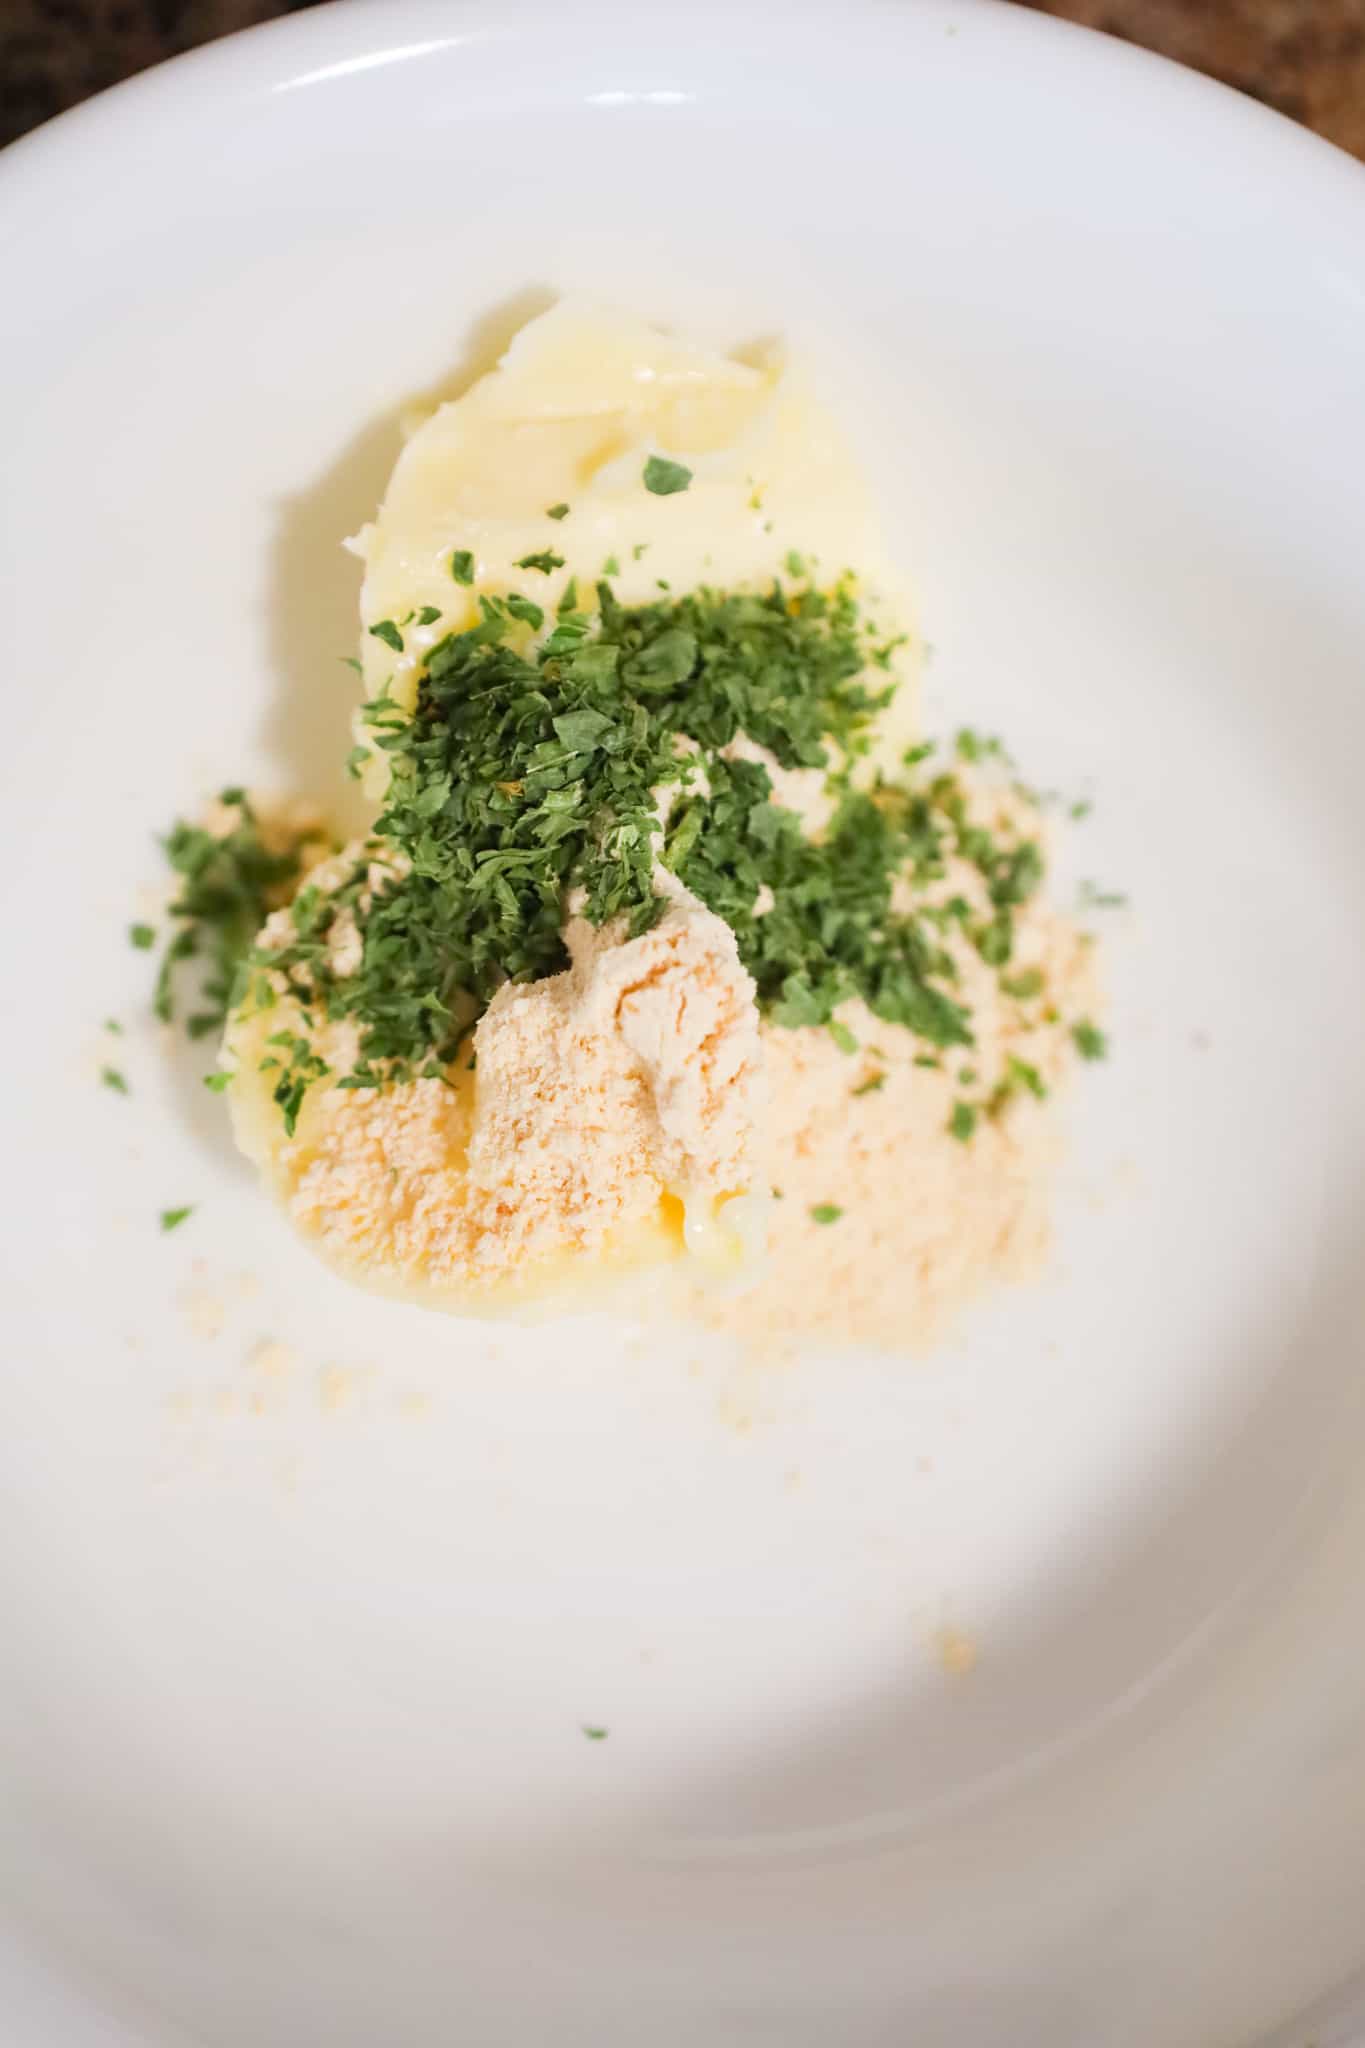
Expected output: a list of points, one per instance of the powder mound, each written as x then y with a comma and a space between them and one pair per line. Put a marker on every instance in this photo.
642, 1059
593, 1095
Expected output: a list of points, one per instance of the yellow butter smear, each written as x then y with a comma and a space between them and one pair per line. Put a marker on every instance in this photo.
633, 1110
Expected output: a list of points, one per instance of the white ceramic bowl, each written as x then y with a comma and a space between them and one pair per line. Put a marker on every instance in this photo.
298, 1664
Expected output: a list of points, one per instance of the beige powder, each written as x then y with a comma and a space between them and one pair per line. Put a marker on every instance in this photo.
926, 1220
604, 1102
608, 1101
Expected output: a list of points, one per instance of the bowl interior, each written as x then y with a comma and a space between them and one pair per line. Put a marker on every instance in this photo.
303, 1659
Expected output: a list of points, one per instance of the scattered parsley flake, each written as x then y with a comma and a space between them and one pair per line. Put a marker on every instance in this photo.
546, 561
1095, 898
962, 1122
522, 608
217, 1082
428, 615
143, 936
664, 477
611, 567
1025, 1075
171, 1219
557, 512
842, 1036
1023, 987
826, 1212
112, 1078
389, 634
870, 1085
595, 1734
462, 566
112, 1024
1089, 1040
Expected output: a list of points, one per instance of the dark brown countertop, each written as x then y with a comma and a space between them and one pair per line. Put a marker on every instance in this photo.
1306, 57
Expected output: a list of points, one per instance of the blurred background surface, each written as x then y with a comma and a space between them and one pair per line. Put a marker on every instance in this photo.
1306, 57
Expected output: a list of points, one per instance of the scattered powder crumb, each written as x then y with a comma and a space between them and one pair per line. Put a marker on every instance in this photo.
956, 1652
205, 1313
272, 1360
413, 1404
337, 1387
223, 1401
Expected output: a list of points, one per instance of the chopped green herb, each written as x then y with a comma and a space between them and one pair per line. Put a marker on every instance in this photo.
526, 770
171, 1219
1095, 898
546, 561
1081, 809
962, 1122
112, 1078
870, 1085
428, 615
229, 884
557, 512
1023, 987
972, 747
389, 634
112, 1024
462, 566
1089, 1040
639, 551
143, 936
349, 661
595, 1734
1026, 1076
664, 477
217, 1082
611, 567
826, 1212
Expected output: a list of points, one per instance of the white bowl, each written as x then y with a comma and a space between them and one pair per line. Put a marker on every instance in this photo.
298, 1664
